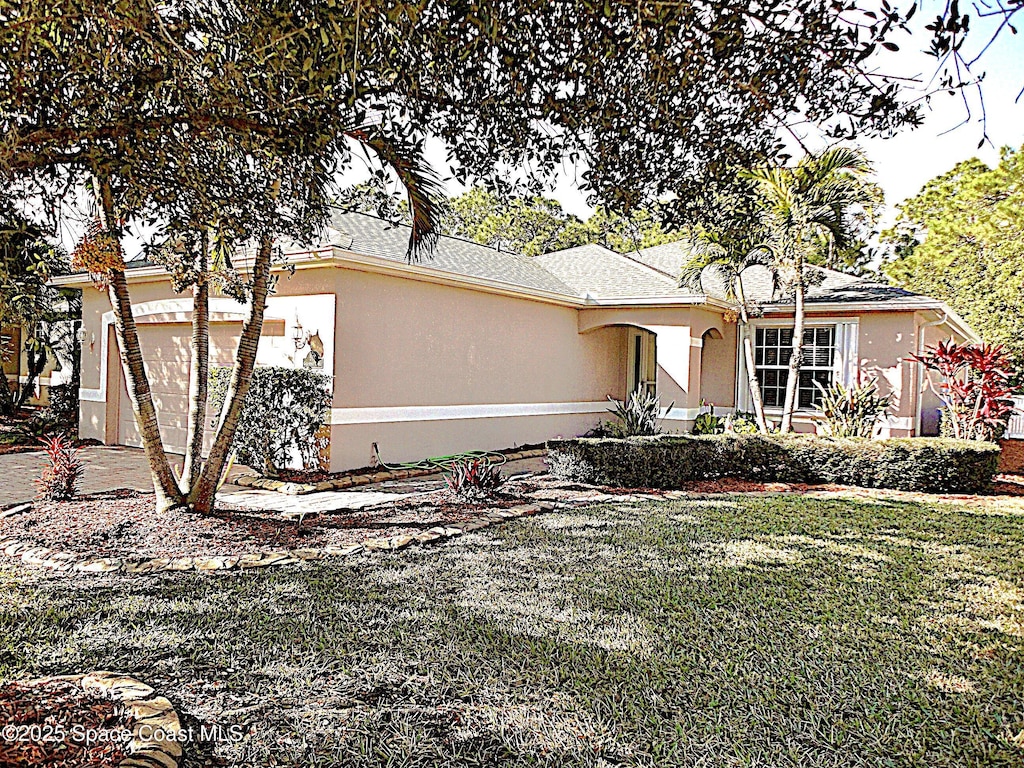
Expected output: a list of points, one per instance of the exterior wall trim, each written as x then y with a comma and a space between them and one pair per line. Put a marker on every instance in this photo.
406, 413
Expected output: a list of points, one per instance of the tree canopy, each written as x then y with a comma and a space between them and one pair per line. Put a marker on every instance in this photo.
961, 239
529, 225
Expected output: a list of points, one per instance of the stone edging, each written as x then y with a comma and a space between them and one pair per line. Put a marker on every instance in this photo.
156, 738
353, 481
31, 554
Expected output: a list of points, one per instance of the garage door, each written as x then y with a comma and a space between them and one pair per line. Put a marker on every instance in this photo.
166, 353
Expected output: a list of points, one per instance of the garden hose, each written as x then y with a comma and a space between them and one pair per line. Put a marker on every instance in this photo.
444, 463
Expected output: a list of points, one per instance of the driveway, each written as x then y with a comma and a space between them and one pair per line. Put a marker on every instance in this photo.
107, 467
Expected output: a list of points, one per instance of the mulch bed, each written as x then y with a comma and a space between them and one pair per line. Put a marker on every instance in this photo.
319, 475
123, 523
1008, 485
43, 725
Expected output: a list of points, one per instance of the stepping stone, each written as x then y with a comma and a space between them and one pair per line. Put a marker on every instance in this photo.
399, 542
146, 566
377, 544
215, 563
16, 547
180, 564
306, 554
36, 555
15, 510
428, 536
98, 565
116, 687
343, 551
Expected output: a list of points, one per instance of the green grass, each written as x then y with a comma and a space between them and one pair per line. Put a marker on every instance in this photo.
772, 631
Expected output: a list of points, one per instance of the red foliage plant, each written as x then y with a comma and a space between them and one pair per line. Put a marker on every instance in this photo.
976, 392
472, 480
61, 475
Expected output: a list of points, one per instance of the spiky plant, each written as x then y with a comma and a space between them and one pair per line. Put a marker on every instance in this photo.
852, 411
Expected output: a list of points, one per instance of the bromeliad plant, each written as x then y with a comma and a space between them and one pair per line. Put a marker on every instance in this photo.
851, 411
473, 480
975, 392
639, 415
62, 474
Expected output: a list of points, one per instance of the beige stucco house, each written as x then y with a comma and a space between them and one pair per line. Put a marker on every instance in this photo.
482, 349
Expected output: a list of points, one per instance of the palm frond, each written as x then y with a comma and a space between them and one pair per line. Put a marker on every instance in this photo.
424, 188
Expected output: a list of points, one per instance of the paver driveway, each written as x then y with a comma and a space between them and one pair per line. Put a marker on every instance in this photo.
106, 468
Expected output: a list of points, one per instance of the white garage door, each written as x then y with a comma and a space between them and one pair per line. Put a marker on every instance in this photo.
165, 348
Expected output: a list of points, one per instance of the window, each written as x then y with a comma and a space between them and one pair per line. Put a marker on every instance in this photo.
773, 348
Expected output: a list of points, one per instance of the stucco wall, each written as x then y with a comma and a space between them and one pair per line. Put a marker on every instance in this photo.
402, 342
885, 345
396, 342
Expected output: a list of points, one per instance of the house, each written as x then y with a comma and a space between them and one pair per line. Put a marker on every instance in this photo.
57, 370
482, 349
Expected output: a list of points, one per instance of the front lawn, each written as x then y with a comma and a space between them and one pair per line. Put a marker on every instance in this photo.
716, 631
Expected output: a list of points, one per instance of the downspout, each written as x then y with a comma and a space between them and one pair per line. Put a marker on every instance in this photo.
920, 368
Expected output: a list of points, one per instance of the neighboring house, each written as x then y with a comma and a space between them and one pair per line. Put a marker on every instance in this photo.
57, 371
480, 349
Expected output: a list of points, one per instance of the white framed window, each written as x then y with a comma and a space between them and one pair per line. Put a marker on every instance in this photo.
773, 348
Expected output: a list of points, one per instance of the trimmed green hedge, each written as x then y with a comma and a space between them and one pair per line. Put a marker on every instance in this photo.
667, 461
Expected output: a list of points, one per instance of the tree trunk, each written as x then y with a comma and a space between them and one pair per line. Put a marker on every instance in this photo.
198, 380
796, 359
204, 490
168, 494
6, 396
748, 355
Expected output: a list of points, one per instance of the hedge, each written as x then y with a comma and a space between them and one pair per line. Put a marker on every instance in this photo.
668, 461
283, 412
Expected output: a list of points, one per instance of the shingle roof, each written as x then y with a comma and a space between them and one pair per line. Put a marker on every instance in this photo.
586, 270
604, 274
826, 285
370, 236
669, 257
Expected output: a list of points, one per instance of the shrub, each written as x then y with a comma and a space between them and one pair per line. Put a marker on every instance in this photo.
64, 405
639, 415
851, 411
473, 480
742, 423
63, 470
669, 461
283, 412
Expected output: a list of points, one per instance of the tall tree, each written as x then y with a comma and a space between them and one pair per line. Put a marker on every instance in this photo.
804, 206
961, 239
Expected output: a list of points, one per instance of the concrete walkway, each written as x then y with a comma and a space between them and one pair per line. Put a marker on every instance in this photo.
109, 468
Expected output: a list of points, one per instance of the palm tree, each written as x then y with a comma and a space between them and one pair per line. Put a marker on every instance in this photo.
725, 255
197, 488
803, 205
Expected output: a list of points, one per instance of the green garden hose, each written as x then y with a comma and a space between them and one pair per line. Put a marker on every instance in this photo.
444, 463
